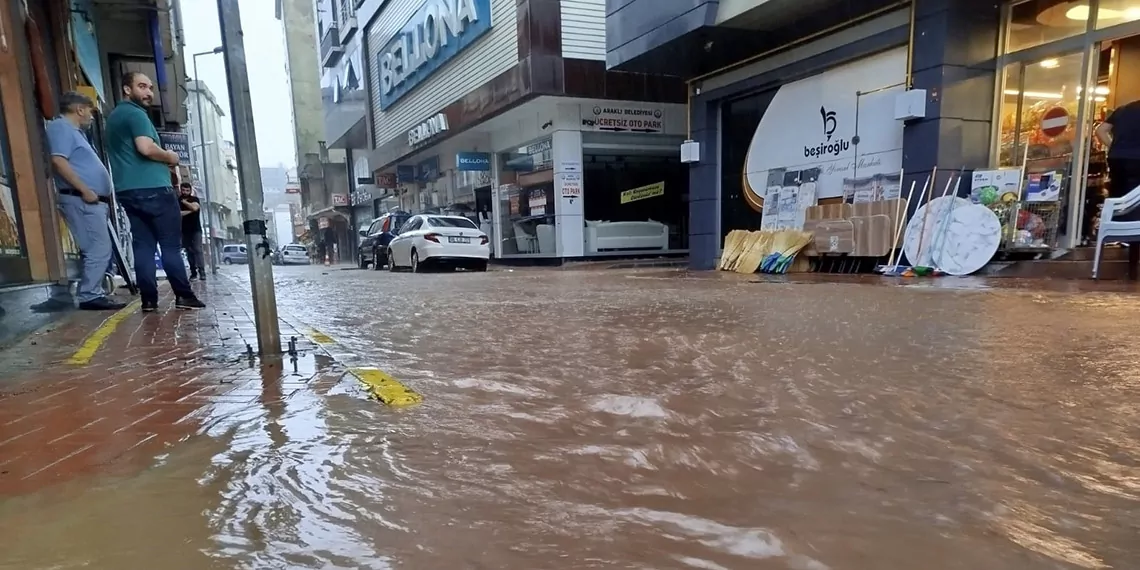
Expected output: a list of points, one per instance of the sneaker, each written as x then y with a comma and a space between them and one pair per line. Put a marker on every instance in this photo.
101, 304
201, 277
149, 306
193, 276
189, 303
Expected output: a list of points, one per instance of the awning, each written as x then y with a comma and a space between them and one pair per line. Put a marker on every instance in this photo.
331, 212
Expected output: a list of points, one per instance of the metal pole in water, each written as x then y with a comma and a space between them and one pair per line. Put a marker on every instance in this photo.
249, 172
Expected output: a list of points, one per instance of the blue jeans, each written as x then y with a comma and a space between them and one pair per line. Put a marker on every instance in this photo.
88, 225
156, 220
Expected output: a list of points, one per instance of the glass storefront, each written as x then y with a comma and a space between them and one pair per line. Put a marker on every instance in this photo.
635, 202
527, 201
1065, 67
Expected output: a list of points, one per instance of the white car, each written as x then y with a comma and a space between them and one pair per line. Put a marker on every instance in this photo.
294, 254
444, 241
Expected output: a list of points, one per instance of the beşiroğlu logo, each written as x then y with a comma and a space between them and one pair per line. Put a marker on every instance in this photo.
830, 123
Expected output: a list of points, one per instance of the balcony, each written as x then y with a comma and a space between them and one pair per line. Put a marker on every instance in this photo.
347, 19
331, 48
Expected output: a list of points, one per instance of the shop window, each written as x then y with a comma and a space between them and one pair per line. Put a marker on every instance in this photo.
635, 202
527, 201
1111, 12
1031, 90
1042, 21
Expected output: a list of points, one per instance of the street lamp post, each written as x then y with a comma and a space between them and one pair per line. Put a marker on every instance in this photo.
209, 226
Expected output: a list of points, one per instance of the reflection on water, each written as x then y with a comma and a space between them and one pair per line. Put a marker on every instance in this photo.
582, 420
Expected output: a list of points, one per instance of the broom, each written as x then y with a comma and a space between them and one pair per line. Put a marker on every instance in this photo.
891, 268
785, 246
754, 254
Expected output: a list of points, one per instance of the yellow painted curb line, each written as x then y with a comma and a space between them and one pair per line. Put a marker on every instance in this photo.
386, 388
379, 384
96, 339
320, 337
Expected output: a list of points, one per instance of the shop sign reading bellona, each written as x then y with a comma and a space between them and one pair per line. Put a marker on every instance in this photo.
437, 32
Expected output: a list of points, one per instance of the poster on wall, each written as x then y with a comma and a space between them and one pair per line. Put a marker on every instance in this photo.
810, 124
9, 229
871, 188
772, 199
537, 202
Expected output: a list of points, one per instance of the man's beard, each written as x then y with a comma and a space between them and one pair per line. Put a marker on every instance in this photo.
141, 101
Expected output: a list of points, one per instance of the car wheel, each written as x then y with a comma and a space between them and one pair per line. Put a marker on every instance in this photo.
227, 261
416, 262
391, 261
480, 267
376, 265
361, 262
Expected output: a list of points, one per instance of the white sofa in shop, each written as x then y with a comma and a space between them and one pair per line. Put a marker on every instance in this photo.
626, 236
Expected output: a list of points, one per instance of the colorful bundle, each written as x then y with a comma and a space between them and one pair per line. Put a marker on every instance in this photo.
785, 246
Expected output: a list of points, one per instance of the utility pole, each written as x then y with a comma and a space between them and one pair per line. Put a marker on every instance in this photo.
249, 172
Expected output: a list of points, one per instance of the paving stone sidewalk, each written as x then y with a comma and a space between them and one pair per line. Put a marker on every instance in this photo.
158, 379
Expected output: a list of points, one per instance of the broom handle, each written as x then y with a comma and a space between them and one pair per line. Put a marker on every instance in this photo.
898, 221
928, 189
930, 246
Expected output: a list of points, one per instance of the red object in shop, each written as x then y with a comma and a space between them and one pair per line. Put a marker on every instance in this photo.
1054, 121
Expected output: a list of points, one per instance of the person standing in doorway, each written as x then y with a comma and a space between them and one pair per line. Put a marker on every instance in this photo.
84, 196
192, 231
1120, 132
142, 186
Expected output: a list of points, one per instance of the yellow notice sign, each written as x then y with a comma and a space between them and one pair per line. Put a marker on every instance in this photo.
643, 192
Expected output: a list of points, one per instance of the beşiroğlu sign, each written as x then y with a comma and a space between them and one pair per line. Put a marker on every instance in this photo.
437, 32
427, 129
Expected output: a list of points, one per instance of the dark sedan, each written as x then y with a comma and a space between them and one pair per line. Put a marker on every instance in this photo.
374, 240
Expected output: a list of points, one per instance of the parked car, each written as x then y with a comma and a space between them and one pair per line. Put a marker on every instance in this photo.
445, 241
234, 254
375, 239
294, 254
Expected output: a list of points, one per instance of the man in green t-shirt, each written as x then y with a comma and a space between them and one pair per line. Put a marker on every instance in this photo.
140, 168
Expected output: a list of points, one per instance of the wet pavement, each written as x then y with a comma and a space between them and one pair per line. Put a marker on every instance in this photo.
643, 420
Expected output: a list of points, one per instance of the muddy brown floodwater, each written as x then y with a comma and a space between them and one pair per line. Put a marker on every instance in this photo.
652, 421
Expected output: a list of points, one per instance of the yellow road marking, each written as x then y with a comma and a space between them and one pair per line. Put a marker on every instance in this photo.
320, 337
96, 339
386, 388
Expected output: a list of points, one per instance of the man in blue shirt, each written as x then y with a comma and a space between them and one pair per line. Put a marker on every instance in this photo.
84, 192
141, 169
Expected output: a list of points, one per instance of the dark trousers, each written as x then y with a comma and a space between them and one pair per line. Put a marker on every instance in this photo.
192, 243
156, 221
1124, 176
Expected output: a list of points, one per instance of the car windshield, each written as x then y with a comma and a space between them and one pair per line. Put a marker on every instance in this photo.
441, 222
294, 248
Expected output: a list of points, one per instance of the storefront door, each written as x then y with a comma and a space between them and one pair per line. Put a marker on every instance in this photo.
1045, 127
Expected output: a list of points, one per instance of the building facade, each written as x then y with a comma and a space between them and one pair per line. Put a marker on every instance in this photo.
324, 184
215, 163
344, 101
50, 47
507, 114
775, 84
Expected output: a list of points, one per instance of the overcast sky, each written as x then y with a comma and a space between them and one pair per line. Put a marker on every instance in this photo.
268, 82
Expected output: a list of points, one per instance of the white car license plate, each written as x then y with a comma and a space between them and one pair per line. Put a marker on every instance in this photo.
453, 239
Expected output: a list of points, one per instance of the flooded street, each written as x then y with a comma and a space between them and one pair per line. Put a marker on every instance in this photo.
648, 420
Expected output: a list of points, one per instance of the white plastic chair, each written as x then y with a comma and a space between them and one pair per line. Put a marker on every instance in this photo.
1109, 228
